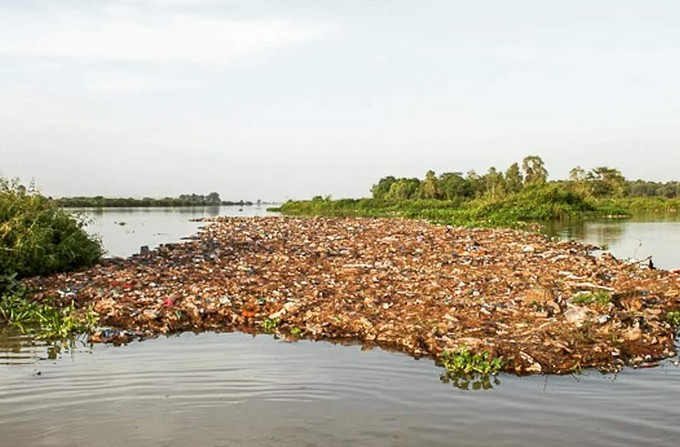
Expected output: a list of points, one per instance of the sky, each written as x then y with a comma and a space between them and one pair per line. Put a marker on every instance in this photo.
276, 100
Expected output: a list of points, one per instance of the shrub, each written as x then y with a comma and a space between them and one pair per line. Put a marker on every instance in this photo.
37, 237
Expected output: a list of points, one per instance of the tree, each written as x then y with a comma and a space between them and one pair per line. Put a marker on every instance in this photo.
476, 183
494, 183
577, 181
513, 178
380, 190
213, 199
429, 189
403, 189
577, 174
534, 170
606, 182
453, 185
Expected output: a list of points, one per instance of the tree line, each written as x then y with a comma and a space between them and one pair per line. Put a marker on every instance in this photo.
599, 182
212, 199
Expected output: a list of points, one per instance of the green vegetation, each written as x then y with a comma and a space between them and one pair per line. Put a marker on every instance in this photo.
270, 324
598, 183
37, 238
673, 317
465, 362
212, 199
464, 368
600, 297
643, 205
535, 203
506, 199
46, 320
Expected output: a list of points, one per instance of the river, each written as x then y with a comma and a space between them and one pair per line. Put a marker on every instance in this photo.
234, 389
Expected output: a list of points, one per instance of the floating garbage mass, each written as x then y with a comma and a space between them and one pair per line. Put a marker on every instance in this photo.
543, 306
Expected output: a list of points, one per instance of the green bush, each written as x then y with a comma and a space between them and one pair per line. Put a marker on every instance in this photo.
37, 237
533, 203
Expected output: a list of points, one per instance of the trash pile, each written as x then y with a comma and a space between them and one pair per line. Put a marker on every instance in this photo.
544, 306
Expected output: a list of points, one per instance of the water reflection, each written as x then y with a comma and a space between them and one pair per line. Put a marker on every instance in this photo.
234, 389
17, 347
636, 238
606, 231
124, 230
466, 381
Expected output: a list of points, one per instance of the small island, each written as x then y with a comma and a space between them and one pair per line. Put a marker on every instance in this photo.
535, 305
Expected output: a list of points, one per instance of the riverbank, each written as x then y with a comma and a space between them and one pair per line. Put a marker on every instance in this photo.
548, 203
539, 305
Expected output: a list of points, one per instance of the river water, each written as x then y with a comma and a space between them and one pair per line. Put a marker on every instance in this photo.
234, 389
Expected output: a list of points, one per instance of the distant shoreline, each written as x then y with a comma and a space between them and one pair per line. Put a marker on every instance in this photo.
167, 202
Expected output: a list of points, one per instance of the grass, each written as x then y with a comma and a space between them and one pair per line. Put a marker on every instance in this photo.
47, 320
600, 297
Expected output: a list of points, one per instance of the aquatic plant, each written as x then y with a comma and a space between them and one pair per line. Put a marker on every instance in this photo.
46, 320
599, 297
534, 203
465, 369
673, 317
465, 362
270, 324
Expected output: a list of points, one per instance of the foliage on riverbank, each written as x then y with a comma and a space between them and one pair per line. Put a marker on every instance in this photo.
597, 183
537, 203
502, 199
642, 205
46, 320
37, 237
212, 199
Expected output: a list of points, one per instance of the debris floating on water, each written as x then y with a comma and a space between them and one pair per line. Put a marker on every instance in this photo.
543, 306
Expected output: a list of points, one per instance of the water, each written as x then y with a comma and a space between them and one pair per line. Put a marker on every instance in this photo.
125, 230
639, 238
235, 389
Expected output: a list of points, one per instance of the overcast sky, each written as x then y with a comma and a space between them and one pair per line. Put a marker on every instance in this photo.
271, 100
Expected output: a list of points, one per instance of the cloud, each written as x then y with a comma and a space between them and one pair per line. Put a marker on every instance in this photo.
179, 39
137, 83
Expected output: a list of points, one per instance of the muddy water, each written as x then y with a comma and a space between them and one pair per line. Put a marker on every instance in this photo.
234, 389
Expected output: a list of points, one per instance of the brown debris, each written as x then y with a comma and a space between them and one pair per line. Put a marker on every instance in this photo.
401, 284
